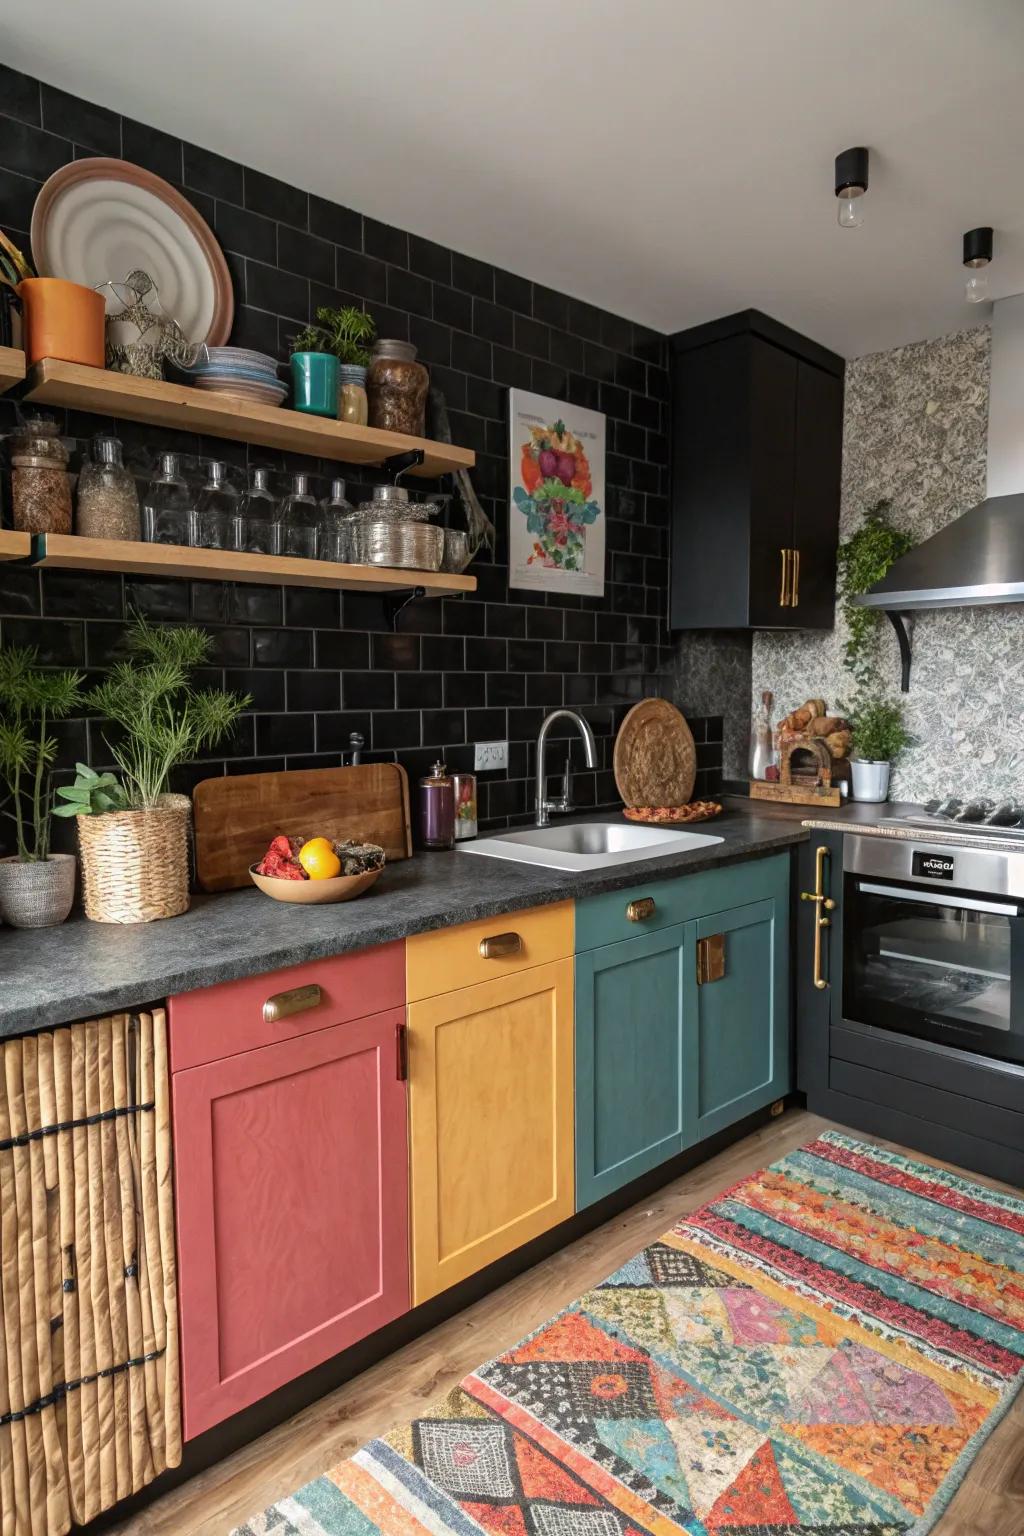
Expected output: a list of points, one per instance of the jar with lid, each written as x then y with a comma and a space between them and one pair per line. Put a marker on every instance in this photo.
352, 402
437, 808
261, 526
217, 510
337, 522
168, 507
466, 823
300, 519
108, 503
40, 485
396, 387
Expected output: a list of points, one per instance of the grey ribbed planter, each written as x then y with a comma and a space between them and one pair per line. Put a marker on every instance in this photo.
37, 895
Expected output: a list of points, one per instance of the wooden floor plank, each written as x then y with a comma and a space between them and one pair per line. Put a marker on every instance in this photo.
990, 1502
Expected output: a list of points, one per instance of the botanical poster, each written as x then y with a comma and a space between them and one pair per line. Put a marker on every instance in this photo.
557, 511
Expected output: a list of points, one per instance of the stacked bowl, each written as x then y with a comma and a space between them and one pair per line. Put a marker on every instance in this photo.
238, 371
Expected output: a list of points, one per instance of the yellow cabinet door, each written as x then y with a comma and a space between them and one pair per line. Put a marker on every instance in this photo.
491, 1121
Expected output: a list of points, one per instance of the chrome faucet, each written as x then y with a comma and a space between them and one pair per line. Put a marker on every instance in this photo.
542, 805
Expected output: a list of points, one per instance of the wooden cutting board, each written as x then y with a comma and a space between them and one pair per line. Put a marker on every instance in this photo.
235, 818
655, 761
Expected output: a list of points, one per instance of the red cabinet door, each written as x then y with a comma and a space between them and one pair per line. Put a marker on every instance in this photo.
291, 1174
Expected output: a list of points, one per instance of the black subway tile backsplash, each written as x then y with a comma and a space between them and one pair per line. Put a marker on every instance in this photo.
319, 664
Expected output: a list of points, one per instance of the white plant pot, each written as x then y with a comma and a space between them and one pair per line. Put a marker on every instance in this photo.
870, 780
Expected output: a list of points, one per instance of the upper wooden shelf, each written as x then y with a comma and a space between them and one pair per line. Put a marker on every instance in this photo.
64, 551
12, 367
14, 546
51, 382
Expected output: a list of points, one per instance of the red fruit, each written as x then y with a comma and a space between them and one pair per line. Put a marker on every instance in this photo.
548, 462
290, 871
566, 467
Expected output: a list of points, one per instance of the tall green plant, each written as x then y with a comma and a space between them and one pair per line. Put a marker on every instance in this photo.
31, 699
164, 720
864, 558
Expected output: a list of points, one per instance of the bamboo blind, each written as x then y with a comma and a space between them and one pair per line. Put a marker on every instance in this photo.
89, 1405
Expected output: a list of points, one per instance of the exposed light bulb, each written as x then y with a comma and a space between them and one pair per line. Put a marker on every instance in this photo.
850, 210
976, 287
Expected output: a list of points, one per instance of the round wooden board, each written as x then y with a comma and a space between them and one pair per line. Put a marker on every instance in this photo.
655, 761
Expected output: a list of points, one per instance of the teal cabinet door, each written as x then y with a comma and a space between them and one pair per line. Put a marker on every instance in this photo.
629, 1066
737, 1034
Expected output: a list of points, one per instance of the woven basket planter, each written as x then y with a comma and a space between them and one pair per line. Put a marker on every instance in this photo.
135, 863
39, 894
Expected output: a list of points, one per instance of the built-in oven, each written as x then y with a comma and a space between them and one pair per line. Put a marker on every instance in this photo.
933, 943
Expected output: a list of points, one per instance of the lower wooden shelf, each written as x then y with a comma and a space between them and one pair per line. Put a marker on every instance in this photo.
14, 546
59, 551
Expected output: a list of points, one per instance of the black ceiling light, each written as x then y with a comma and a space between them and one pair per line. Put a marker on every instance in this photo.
977, 255
851, 184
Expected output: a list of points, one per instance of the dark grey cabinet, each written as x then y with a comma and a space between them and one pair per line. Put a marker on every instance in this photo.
756, 459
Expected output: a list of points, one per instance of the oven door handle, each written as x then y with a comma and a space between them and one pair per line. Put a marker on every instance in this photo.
933, 899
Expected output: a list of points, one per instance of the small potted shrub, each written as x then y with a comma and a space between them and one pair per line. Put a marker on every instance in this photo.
349, 335
132, 833
879, 737
37, 887
314, 373
59, 319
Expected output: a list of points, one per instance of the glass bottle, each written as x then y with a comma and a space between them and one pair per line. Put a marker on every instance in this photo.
464, 787
40, 485
261, 525
337, 522
217, 510
762, 747
108, 502
437, 808
300, 518
168, 507
352, 402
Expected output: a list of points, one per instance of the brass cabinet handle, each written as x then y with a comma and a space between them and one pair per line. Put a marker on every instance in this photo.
296, 1000
640, 910
784, 584
794, 596
500, 945
823, 904
710, 959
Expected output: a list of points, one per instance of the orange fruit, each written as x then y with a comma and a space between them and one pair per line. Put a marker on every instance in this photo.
319, 859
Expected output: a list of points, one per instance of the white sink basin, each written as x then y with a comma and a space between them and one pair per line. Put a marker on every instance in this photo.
587, 845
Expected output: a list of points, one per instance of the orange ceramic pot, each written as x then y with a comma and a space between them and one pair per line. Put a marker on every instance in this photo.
62, 319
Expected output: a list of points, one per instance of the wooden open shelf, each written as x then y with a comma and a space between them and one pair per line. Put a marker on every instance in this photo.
62, 551
12, 367
14, 546
51, 382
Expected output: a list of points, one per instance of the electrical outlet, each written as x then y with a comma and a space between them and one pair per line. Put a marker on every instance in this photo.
490, 755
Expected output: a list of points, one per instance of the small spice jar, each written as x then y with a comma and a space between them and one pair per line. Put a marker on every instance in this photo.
352, 402
396, 387
108, 502
466, 823
437, 808
40, 484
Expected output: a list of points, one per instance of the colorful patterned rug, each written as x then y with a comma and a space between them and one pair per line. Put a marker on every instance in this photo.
822, 1349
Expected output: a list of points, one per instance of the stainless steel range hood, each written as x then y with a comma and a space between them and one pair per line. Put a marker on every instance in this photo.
979, 558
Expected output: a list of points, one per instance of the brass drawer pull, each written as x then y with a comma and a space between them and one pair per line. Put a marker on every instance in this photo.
500, 945
784, 584
710, 959
296, 1000
640, 910
794, 596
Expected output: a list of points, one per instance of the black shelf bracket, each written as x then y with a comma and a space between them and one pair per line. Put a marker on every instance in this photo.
398, 463
393, 605
902, 623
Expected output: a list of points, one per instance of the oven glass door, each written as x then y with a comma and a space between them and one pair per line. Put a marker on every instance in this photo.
945, 967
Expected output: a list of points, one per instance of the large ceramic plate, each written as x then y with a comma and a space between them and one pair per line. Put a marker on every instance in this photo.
655, 760
96, 220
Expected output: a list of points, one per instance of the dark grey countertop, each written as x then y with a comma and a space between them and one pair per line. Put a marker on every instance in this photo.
81, 969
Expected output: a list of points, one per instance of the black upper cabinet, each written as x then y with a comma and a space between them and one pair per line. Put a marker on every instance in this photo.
757, 447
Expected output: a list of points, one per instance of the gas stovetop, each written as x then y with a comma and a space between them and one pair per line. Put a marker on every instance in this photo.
996, 820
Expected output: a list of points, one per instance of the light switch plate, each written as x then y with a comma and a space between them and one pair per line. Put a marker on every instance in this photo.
490, 755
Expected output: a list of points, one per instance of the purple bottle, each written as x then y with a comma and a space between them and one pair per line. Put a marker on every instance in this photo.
437, 808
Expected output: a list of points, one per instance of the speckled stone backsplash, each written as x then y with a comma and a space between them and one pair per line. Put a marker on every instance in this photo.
915, 431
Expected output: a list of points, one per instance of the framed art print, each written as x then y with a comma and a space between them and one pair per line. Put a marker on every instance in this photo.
557, 507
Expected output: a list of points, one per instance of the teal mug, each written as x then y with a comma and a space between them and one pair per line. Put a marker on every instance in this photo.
315, 383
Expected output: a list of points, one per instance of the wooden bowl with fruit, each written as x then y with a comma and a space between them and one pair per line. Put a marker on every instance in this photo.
316, 870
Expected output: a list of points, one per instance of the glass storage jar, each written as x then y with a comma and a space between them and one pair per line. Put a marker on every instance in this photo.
261, 527
396, 388
40, 484
168, 507
217, 510
108, 502
352, 402
301, 520
337, 523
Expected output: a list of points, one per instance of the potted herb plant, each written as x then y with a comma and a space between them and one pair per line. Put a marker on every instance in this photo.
879, 736
60, 319
343, 335
132, 833
314, 373
37, 887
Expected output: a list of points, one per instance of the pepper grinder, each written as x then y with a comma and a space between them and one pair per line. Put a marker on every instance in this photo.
437, 808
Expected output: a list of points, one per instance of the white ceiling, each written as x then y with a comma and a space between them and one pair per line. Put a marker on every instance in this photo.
670, 160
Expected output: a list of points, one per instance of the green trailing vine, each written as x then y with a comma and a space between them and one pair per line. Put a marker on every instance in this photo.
864, 558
